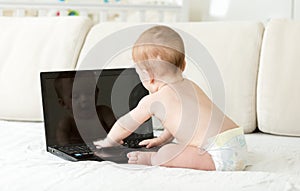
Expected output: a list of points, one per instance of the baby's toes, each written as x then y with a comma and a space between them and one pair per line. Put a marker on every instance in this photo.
132, 157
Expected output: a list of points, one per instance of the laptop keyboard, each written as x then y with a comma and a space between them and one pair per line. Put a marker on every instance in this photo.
77, 150
83, 150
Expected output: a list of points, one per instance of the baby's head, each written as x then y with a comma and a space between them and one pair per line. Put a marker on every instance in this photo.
159, 52
160, 42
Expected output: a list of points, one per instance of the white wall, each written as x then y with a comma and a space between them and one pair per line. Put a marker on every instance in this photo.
195, 10
297, 9
242, 9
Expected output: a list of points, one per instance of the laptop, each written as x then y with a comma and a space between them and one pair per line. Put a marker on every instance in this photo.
80, 107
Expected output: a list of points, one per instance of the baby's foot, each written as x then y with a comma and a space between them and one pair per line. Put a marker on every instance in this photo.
138, 157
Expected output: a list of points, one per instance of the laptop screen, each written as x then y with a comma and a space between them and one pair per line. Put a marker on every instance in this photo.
82, 106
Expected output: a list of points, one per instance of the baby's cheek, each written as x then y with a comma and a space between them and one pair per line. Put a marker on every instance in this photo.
144, 77
143, 74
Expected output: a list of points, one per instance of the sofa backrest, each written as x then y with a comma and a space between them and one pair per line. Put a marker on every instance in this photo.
234, 46
278, 89
29, 46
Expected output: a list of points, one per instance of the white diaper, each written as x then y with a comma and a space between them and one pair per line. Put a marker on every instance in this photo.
228, 150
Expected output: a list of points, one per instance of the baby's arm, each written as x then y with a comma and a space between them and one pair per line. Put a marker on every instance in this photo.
127, 124
165, 137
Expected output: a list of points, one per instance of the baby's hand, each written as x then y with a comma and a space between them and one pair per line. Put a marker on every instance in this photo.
107, 142
150, 142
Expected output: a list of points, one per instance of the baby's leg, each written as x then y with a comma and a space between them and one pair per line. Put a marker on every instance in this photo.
173, 155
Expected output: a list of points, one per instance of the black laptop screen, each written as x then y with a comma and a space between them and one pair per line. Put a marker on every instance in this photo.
82, 106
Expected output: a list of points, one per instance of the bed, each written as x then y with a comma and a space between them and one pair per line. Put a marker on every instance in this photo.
274, 164
274, 161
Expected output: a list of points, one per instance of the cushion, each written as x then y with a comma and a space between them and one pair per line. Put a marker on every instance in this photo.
278, 89
234, 46
29, 46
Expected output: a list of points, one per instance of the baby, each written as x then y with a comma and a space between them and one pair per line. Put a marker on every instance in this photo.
206, 139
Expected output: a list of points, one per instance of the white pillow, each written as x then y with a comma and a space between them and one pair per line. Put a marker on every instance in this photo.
29, 46
278, 90
235, 48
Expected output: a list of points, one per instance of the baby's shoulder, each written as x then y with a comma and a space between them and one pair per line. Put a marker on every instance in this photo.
193, 85
158, 96
182, 87
147, 100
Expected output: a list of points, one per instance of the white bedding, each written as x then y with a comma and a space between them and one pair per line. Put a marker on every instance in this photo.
25, 165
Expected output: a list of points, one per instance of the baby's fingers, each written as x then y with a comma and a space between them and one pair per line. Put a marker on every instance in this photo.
99, 144
96, 143
151, 144
144, 142
98, 147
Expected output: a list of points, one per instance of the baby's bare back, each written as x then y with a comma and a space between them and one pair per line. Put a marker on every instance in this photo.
188, 113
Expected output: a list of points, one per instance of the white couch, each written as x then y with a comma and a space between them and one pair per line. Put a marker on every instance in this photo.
259, 66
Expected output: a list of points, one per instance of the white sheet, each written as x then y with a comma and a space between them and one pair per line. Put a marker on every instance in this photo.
25, 165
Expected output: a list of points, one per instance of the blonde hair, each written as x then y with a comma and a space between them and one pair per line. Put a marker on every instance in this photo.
159, 42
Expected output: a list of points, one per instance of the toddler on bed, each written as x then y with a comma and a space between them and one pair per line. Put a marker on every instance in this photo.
206, 139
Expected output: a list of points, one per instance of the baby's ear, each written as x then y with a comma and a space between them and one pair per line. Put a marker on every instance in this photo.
151, 80
147, 75
151, 77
